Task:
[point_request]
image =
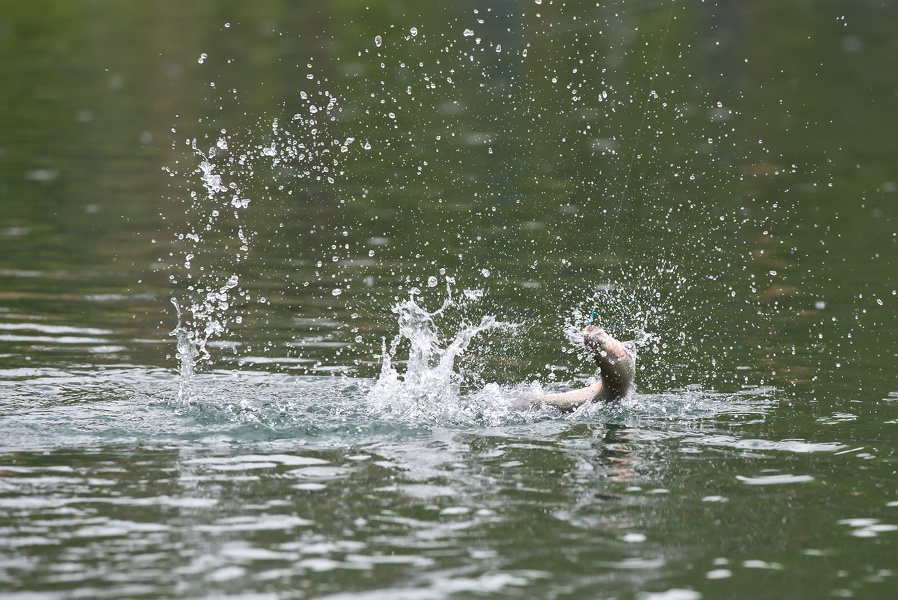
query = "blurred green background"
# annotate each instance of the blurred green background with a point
(718, 175)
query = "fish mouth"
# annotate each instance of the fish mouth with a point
(598, 340)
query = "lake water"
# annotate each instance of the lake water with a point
(272, 275)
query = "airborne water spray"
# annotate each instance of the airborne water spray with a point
(534, 119)
(209, 267)
(431, 388)
(203, 311)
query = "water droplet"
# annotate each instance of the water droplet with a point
(468, 33)
(431, 281)
(485, 272)
(313, 109)
(336, 291)
(498, 47)
(413, 31)
(202, 58)
(378, 41)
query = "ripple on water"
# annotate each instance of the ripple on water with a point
(296, 478)
(779, 479)
(80, 407)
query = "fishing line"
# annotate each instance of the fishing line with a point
(645, 112)
(633, 152)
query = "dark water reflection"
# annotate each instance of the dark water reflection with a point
(741, 219)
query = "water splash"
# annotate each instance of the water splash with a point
(431, 389)
(301, 146)
(211, 270)
(207, 319)
(207, 302)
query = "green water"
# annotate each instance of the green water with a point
(716, 181)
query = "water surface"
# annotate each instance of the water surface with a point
(271, 278)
